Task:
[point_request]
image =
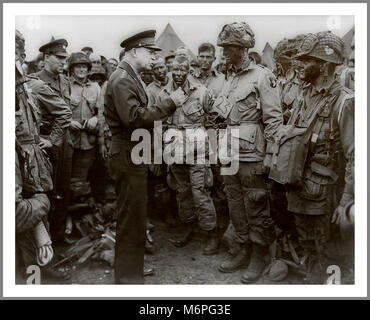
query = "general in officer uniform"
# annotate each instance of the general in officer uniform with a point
(256, 112)
(126, 110)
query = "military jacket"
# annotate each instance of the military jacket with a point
(28, 211)
(59, 83)
(331, 148)
(85, 105)
(253, 105)
(38, 169)
(126, 104)
(56, 115)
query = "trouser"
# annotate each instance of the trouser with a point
(219, 197)
(248, 202)
(82, 162)
(131, 189)
(62, 180)
(194, 195)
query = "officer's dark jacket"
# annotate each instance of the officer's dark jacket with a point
(125, 104)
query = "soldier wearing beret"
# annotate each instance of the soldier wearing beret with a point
(256, 112)
(126, 109)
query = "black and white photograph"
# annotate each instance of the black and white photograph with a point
(185, 149)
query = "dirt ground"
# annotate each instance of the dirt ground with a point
(172, 265)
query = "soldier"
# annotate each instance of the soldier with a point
(55, 57)
(256, 112)
(193, 180)
(160, 81)
(214, 81)
(33, 168)
(147, 77)
(84, 126)
(327, 182)
(169, 59)
(125, 110)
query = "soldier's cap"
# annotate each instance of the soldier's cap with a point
(87, 49)
(170, 54)
(236, 34)
(143, 39)
(55, 47)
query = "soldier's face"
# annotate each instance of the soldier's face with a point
(80, 71)
(233, 54)
(180, 72)
(55, 63)
(160, 71)
(311, 70)
(169, 63)
(205, 59)
(112, 65)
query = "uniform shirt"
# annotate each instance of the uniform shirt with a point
(56, 115)
(153, 90)
(256, 109)
(335, 135)
(196, 114)
(196, 109)
(214, 81)
(84, 105)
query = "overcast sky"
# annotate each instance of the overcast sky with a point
(105, 33)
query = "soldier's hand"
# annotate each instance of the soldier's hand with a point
(92, 123)
(45, 143)
(338, 215)
(75, 125)
(178, 97)
(103, 151)
(267, 162)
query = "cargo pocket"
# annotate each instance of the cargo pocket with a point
(193, 111)
(314, 187)
(247, 137)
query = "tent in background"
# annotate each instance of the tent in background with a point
(169, 40)
(348, 38)
(268, 57)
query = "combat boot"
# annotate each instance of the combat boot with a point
(213, 243)
(182, 240)
(237, 262)
(256, 265)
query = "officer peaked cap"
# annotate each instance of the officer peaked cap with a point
(143, 39)
(55, 47)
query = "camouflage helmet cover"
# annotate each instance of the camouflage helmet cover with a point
(324, 46)
(79, 57)
(236, 34)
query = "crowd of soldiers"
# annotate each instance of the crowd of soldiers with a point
(290, 205)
